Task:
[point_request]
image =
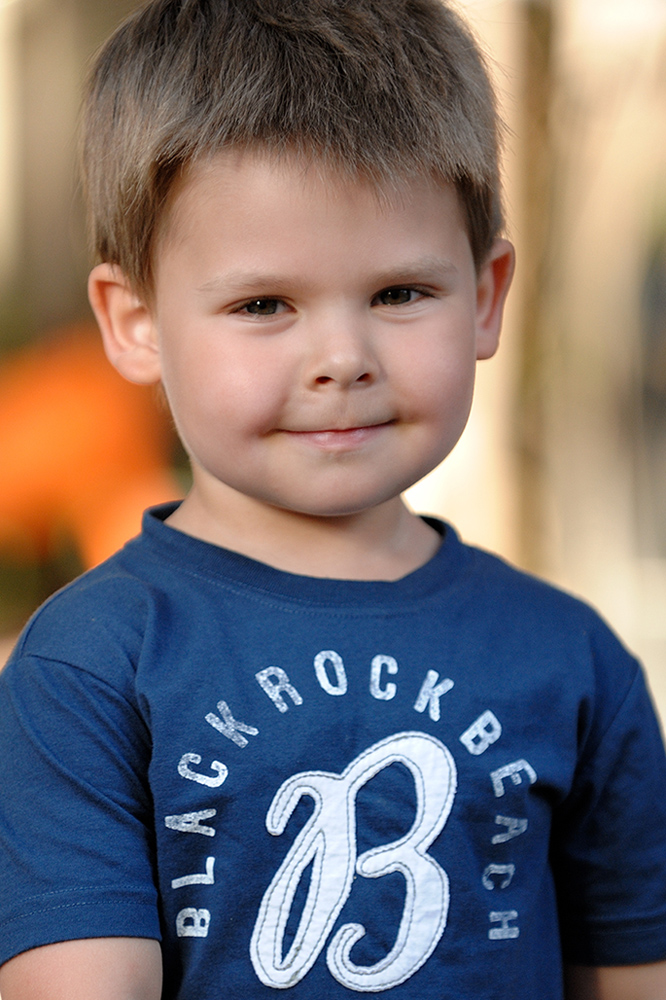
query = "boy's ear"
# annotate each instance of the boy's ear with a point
(492, 286)
(126, 323)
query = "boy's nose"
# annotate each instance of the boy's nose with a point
(342, 354)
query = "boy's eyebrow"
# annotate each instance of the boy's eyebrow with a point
(426, 268)
(241, 281)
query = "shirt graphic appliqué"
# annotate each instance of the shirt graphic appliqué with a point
(328, 842)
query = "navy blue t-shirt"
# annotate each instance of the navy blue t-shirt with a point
(432, 788)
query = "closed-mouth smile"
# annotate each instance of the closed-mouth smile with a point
(341, 438)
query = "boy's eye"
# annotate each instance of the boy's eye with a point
(397, 296)
(262, 307)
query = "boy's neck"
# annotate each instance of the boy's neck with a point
(384, 543)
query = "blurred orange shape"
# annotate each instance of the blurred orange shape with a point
(82, 451)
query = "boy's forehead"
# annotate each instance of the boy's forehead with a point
(293, 178)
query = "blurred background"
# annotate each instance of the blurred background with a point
(563, 465)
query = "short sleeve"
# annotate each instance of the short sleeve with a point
(609, 842)
(76, 832)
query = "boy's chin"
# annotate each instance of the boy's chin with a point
(334, 498)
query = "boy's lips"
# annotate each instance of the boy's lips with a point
(339, 438)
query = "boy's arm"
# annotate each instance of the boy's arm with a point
(92, 969)
(630, 982)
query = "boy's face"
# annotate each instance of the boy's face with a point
(317, 346)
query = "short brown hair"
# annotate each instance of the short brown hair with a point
(381, 89)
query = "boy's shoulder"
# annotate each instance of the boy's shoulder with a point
(515, 599)
(102, 610)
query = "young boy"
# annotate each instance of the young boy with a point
(303, 738)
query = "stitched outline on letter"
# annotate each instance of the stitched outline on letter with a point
(328, 841)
